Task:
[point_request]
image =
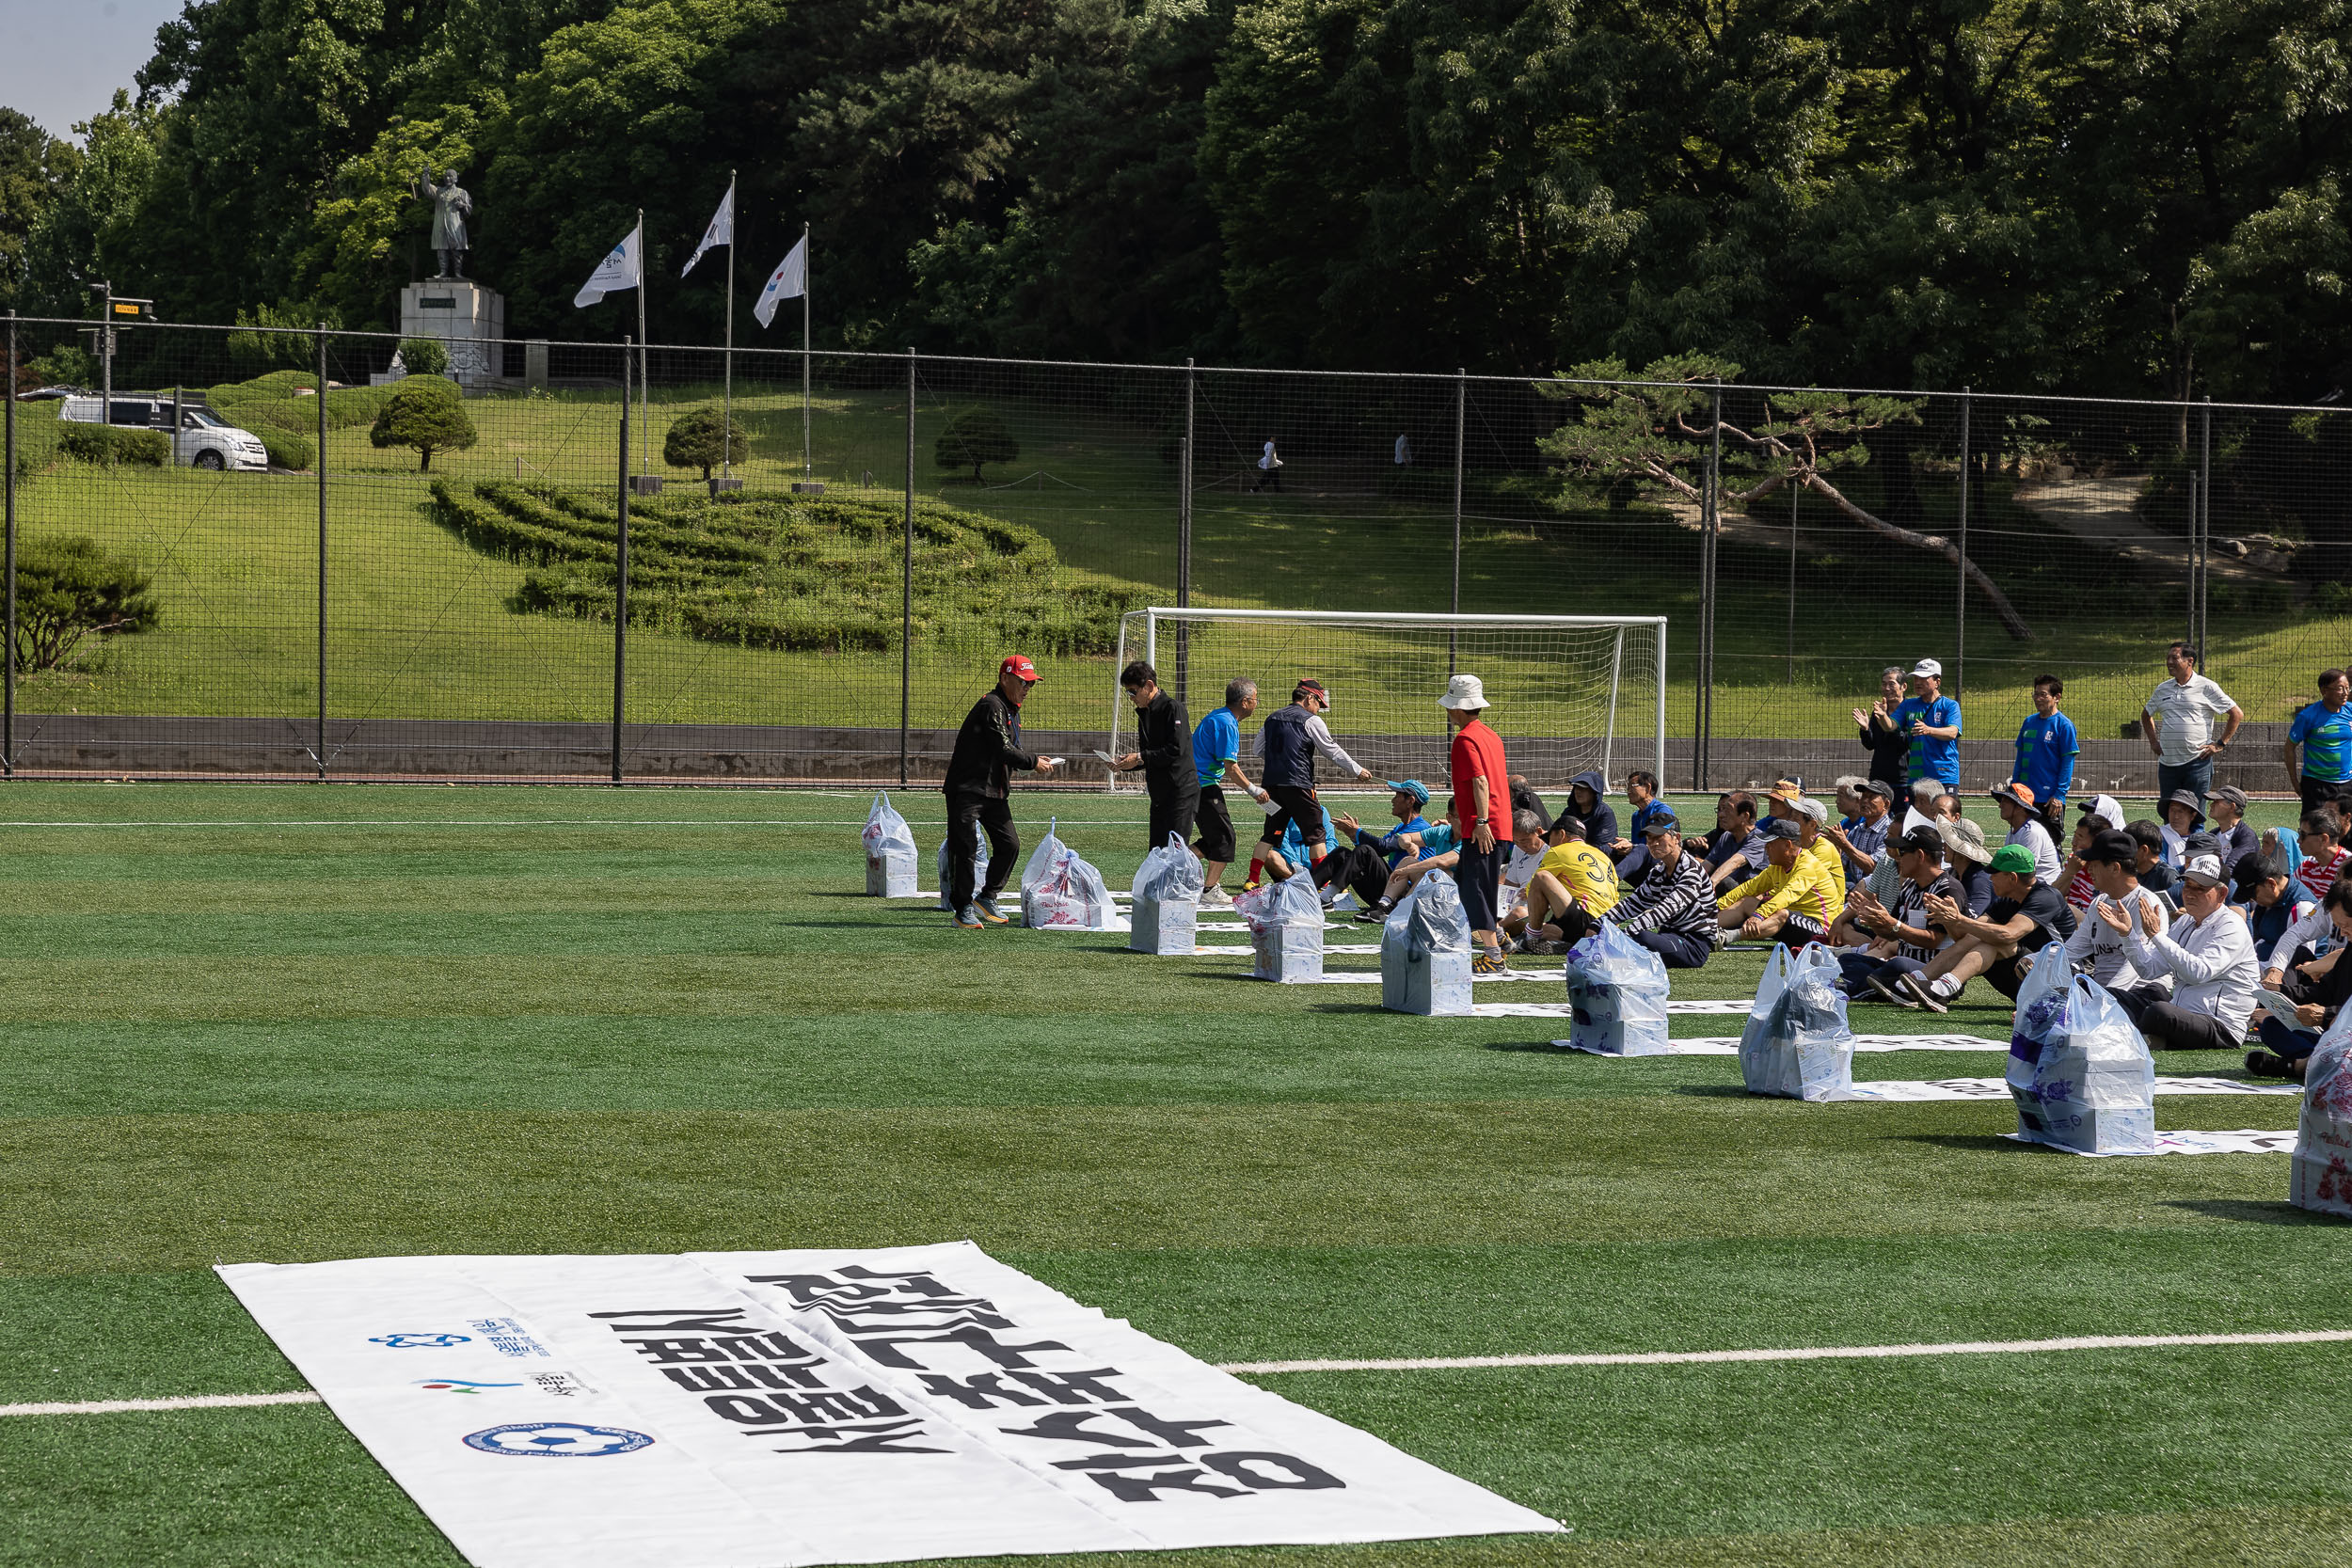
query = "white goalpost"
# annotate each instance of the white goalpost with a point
(1568, 693)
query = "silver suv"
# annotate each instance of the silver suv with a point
(204, 440)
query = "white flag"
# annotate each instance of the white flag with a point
(788, 281)
(721, 231)
(621, 269)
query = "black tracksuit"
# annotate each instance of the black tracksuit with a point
(988, 748)
(1164, 739)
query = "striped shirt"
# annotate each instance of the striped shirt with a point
(2319, 871)
(1671, 898)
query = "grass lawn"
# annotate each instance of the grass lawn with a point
(302, 1023)
(419, 625)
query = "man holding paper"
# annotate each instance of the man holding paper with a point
(988, 749)
(1163, 754)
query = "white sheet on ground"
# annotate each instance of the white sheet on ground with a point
(2251, 1140)
(1728, 1045)
(727, 1410)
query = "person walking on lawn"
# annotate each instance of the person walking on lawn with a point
(1163, 753)
(988, 750)
(1482, 810)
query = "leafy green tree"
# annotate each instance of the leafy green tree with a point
(975, 436)
(704, 438)
(92, 230)
(70, 589)
(34, 169)
(423, 357)
(424, 412)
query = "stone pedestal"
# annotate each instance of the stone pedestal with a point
(467, 318)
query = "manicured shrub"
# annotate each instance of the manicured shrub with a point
(426, 412)
(703, 438)
(974, 437)
(423, 357)
(287, 449)
(69, 590)
(100, 443)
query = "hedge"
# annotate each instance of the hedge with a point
(100, 443)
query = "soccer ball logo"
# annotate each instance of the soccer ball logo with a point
(420, 1341)
(556, 1440)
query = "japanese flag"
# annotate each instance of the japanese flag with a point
(721, 231)
(788, 281)
(623, 268)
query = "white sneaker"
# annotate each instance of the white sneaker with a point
(1215, 898)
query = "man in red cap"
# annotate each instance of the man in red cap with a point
(988, 748)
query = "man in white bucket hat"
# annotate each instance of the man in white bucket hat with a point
(1482, 815)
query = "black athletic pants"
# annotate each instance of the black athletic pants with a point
(1360, 867)
(1673, 948)
(1172, 812)
(2167, 1025)
(967, 817)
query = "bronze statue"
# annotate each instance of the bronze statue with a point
(451, 207)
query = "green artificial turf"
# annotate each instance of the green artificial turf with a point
(240, 1022)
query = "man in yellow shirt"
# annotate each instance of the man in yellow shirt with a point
(1794, 899)
(1570, 874)
(1811, 817)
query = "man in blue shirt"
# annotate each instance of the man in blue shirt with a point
(1932, 721)
(1216, 762)
(2046, 745)
(2324, 730)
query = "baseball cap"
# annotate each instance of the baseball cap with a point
(1308, 686)
(1927, 666)
(2205, 870)
(2021, 793)
(1018, 664)
(1920, 841)
(1780, 827)
(2254, 871)
(1414, 788)
(1570, 824)
(1879, 788)
(1813, 809)
(1661, 822)
(2015, 858)
(2114, 846)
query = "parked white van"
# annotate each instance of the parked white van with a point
(205, 440)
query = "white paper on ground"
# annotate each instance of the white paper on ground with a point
(2251, 1140)
(731, 1410)
(1728, 1045)
(1230, 950)
(1560, 1009)
(1372, 977)
(1998, 1088)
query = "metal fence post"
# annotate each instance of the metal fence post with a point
(1703, 727)
(1960, 610)
(8, 483)
(321, 462)
(1454, 601)
(1184, 550)
(620, 578)
(906, 589)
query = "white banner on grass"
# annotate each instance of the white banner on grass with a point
(1998, 1088)
(1728, 1045)
(2247, 1140)
(726, 1410)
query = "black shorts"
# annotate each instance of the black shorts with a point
(1292, 804)
(1798, 929)
(1477, 875)
(1216, 825)
(2008, 976)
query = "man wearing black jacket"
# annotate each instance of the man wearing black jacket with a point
(1163, 752)
(988, 748)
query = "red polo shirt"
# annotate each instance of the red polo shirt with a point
(1478, 752)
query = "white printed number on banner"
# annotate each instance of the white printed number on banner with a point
(813, 1408)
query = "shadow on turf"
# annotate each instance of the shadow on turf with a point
(2253, 1211)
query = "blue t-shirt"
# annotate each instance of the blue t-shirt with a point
(2327, 741)
(1642, 814)
(2047, 749)
(1931, 756)
(1215, 742)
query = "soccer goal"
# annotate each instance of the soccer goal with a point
(1567, 693)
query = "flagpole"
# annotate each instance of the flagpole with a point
(726, 418)
(808, 270)
(644, 379)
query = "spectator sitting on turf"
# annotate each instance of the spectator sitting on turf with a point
(2096, 948)
(2276, 912)
(2025, 916)
(1948, 808)
(2026, 832)
(2207, 956)
(1889, 748)
(2046, 745)
(1588, 803)
(1518, 868)
(1898, 940)
(1572, 881)
(1412, 837)
(2155, 875)
(1970, 860)
(1795, 899)
(1438, 849)
(1859, 840)
(2318, 990)
(1736, 847)
(2225, 818)
(1631, 854)
(2183, 814)
(2323, 857)
(1672, 911)
(1920, 808)
(1362, 861)
(1523, 798)
(1811, 816)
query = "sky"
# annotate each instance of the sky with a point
(61, 60)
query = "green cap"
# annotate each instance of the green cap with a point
(2013, 858)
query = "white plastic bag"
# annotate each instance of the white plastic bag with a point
(980, 871)
(2321, 1175)
(1058, 891)
(1424, 952)
(2078, 1071)
(1618, 991)
(889, 851)
(1165, 917)
(1285, 931)
(1796, 1043)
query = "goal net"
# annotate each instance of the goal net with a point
(1567, 693)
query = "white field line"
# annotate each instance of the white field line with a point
(1457, 1363)
(538, 822)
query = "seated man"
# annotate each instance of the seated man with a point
(2323, 857)
(2026, 831)
(2207, 957)
(1437, 849)
(1736, 847)
(2318, 990)
(1859, 841)
(2226, 820)
(1364, 859)
(2183, 814)
(1920, 810)
(1523, 798)
(1966, 854)
(1571, 879)
(1793, 899)
(1672, 911)
(1630, 854)
(2025, 916)
(2154, 874)
(1899, 940)
(2276, 913)
(2097, 948)
(1811, 817)
(1588, 803)
(2074, 871)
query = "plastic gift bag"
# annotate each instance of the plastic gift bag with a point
(1285, 931)
(1061, 892)
(1796, 1043)
(2321, 1175)
(1618, 991)
(980, 871)
(1166, 914)
(889, 851)
(1424, 952)
(2078, 1071)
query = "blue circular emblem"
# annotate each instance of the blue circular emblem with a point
(556, 1440)
(420, 1341)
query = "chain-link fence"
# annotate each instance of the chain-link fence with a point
(266, 554)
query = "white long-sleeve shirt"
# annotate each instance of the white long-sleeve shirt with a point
(2034, 839)
(1319, 733)
(2211, 961)
(2315, 929)
(2098, 949)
